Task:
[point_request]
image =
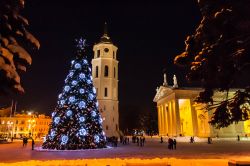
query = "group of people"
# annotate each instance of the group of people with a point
(171, 143)
(140, 141)
(113, 140)
(25, 142)
(124, 140)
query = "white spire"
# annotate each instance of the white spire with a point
(175, 82)
(165, 83)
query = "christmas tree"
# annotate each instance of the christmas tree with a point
(76, 122)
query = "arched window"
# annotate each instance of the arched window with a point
(106, 71)
(96, 71)
(98, 53)
(114, 72)
(106, 92)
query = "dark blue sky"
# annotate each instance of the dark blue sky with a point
(148, 34)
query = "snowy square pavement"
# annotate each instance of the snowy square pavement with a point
(219, 149)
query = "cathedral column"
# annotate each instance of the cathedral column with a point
(173, 117)
(178, 119)
(170, 119)
(163, 120)
(194, 118)
(166, 118)
(159, 119)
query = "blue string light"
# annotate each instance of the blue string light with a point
(64, 139)
(76, 117)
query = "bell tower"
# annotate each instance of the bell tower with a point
(105, 79)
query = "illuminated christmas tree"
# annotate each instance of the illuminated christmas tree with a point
(76, 122)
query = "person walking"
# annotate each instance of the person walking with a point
(170, 144)
(209, 140)
(137, 141)
(238, 137)
(191, 140)
(161, 140)
(23, 141)
(116, 141)
(33, 143)
(174, 144)
(143, 140)
(121, 139)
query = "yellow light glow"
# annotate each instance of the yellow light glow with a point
(186, 117)
(247, 127)
(122, 162)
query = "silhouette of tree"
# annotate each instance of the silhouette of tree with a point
(217, 55)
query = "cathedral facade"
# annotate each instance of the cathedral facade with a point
(179, 115)
(105, 80)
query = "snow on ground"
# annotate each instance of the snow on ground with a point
(126, 162)
(220, 151)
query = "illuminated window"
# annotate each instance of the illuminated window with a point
(96, 71)
(106, 92)
(98, 53)
(106, 71)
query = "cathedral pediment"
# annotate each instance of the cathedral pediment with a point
(161, 92)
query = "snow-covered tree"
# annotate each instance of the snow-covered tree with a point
(218, 53)
(15, 40)
(76, 121)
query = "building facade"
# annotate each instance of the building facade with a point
(179, 115)
(27, 125)
(105, 80)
